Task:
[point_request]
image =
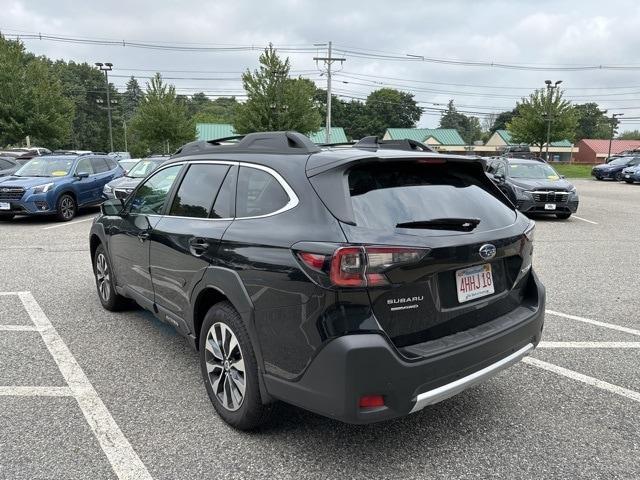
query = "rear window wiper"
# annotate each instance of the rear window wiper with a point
(458, 224)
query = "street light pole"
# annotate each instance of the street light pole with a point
(613, 127)
(107, 67)
(550, 89)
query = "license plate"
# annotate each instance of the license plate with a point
(549, 206)
(5, 206)
(474, 282)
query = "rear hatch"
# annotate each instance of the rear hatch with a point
(442, 250)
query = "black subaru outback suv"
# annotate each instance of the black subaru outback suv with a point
(361, 283)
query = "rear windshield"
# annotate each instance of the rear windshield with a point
(385, 195)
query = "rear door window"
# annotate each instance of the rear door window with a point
(385, 195)
(198, 190)
(85, 166)
(99, 165)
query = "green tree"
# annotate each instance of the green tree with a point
(469, 128)
(592, 122)
(391, 108)
(275, 101)
(84, 85)
(31, 99)
(131, 98)
(630, 135)
(219, 110)
(161, 123)
(500, 122)
(530, 124)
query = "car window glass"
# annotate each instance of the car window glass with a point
(386, 195)
(99, 165)
(84, 166)
(224, 206)
(151, 195)
(198, 190)
(499, 169)
(258, 193)
(4, 164)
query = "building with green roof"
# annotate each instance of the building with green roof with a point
(212, 131)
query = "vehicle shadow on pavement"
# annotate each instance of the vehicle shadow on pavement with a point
(50, 219)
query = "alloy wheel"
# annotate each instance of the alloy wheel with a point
(67, 207)
(103, 277)
(225, 366)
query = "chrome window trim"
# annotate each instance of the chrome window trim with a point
(293, 198)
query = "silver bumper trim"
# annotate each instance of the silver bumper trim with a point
(450, 389)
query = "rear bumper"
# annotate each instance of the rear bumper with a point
(353, 366)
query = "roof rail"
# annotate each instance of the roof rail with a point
(336, 144)
(375, 143)
(285, 143)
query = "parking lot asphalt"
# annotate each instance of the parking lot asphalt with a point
(572, 412)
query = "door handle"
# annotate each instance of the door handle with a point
(142, 236)
(198, 246)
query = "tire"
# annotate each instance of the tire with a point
(221, 363)
(6, 217)
(619, 177)
(629, 181)
(563, 216)
(66, 207)
(109, 298)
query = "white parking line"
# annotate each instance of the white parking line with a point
(36, 391)
(68, 223)
(123, 459)
(18, 328)
(594, 382)
(589, 345)
(611, 326)
(585, 220)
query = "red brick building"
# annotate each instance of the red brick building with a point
(595, 151)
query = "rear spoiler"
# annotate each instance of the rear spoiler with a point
(331, 182)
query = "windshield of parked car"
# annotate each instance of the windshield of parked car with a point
(532, 170)
(143, 168)
(619, 161)
(46, 167)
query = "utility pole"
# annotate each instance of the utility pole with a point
(328, 60)
(613, 128)
(107, 67)
(550, 89)
(124, 125)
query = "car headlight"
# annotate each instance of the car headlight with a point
(107, 190)
(521, 192)
(573, 190)
(43, 188)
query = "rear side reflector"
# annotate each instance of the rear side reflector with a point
(371, 401)
(313, 260)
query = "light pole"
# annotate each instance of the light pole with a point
(550, 89)
(106, 68)
(613, 127)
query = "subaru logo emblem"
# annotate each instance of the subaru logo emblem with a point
(487, 251)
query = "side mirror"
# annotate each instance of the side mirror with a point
(498, 177)
(112, 207)
(563, 176)
(81, 175)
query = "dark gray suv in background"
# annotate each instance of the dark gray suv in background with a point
(362, 283)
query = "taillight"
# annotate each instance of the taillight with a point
(361, 266)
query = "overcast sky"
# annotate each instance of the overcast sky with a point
(535, 33)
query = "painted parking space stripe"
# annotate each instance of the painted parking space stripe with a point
(585, 220)
(611, 326)
(29, 391)
(589, 345)
(594, 382)
(123, 459)
(66, 224)
(18, 328)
